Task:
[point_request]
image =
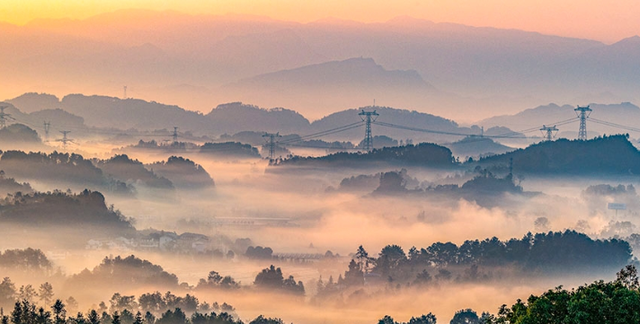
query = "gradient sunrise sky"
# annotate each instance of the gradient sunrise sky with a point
(607, 21)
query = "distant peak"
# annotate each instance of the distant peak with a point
(633, 40)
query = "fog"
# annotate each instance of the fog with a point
(305, 211)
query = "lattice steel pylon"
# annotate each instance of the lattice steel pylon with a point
(548, 131)
(368, 117)
(272, 141)
(583, 113)
(64, 139)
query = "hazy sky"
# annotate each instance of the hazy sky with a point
(607, 21)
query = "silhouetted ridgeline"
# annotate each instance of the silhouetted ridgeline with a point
(10, 186)
(184, 173)
(122, 168)
(125, 273)
(64, 168)
(30, 260)
(86, 210)
(602, 155)
(477, 146)
(423, 154)
(233, 117)
(539, 254)
(229, 118)
(230, 149)
(19, 133)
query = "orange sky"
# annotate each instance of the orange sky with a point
(603, 20)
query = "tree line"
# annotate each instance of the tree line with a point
(546, 253)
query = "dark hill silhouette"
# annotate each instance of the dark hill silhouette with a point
(59, 118)
(625, 113)
(475, 146)
(86, 210)
(101, 111)
(234, 117)
(32, 101)
(423, 154)
(19, 133)
(123, 168)
(230, 150)
(11, 186)
(395, 116)
(608, 155)
(119, 274)
(63, 168)
(184, 173)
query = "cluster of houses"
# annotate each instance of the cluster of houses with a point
(186, 243)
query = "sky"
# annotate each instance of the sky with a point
(607, 21)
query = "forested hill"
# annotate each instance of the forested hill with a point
(602, 155)
(423, 154)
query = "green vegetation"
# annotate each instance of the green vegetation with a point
(596, 303)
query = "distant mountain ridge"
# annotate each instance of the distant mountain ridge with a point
(231, 118)
(342, 83)
(489, 69)
(625, 114)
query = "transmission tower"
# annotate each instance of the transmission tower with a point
(549, 132)
(4, 117)
(368, 117)
(583, 113)
(175, 135)
(47, 126)
(64, 139)
(125, 93)
(272, 141)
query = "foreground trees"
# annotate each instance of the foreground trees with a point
(25, 312)
(597, 303)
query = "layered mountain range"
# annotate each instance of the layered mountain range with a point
(461, 72)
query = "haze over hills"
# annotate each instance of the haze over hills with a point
(333, 84)
(491, 69)
(625, 114)
(231, 118)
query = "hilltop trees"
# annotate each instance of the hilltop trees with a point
(271, 278)
(542, 253)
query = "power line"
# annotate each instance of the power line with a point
(324, 133)
(610, 124)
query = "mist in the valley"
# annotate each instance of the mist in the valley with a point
(321, 172)
(312, 220)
